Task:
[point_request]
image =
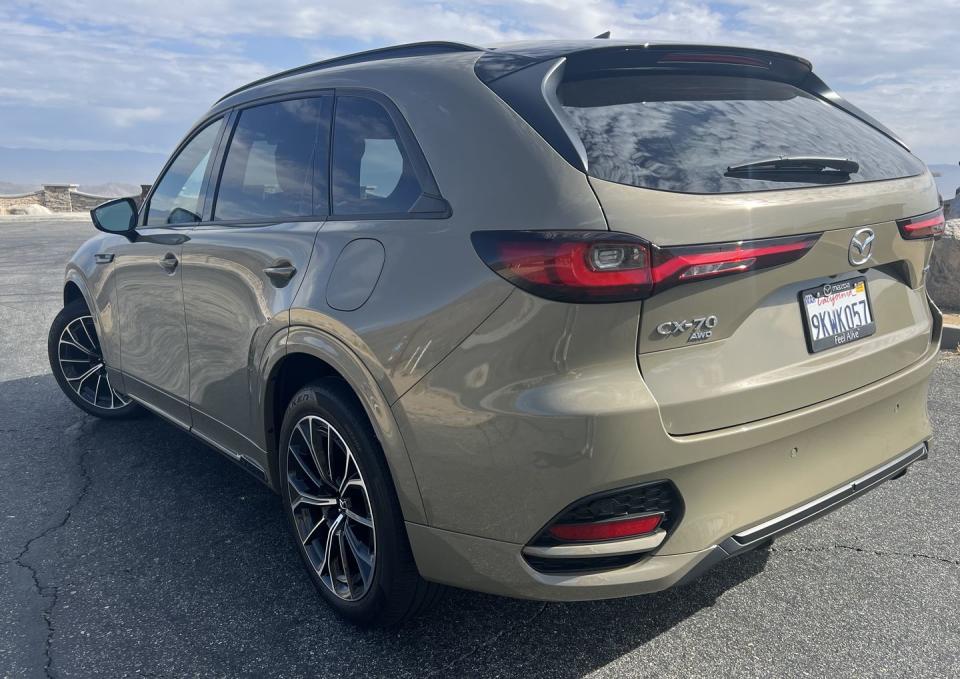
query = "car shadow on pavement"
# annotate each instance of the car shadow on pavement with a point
(155, 554)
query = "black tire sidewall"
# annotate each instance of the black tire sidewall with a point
(330, 399)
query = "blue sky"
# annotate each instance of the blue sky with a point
(134, 74)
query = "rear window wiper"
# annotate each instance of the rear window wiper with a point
(796, 165)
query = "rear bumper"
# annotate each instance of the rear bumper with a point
(495, 465)
(499, 568)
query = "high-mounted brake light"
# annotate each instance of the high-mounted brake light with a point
(599, 266)
(711, 58)
(929, 225)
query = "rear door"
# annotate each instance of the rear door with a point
(244, 264)
(728, 337)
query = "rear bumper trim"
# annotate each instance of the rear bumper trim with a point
(644, 543)
(823, 504)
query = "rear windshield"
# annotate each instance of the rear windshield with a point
(683, 132)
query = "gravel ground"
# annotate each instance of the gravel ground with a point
(130, 549)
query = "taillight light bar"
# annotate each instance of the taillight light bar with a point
(929, 225)
(598, 266)
(675, 265)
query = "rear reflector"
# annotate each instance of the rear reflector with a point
(599, 266)
(606, 530)
(930, 225)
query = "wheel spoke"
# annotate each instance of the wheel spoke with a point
(96, 391)
(362, 520)
(306, 469)
(346, 472)
(325, 474)
(73, 343)
(328, 548)
(85, 375)
(92, 350)
(310, 499)
(93, 344)
(310, 533)
(361, 555)
(345, 563)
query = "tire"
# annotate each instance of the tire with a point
(74, 352)
(380, 585)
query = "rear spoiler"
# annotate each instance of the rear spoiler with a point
(527, 80)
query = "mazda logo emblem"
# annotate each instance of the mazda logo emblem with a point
(861, 246)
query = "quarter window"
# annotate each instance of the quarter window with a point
(276, 162)
(372, 172)
(176, 200)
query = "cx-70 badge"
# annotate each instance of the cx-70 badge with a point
(702, 328)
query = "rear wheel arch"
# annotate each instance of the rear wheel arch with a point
(309, 355)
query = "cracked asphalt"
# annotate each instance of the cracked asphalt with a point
(130, 549)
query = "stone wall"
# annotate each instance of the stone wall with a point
(22, 200)
(59, 198)
(943, 282)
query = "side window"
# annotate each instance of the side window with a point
(269, 171)
(176, 200)
(372, 172)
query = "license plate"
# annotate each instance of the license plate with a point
(837, 313)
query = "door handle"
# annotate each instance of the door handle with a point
(280, 273)
(169, 262)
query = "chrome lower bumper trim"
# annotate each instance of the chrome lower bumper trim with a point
(592, 549)
(825, 503)
(751, 538)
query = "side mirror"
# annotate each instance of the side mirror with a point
(117, 216)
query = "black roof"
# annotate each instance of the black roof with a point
(501, 59)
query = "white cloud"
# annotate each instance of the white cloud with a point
(139, 65)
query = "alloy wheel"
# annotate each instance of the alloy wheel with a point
(81, 363)
(331, 508)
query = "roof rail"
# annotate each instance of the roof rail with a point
(413, 49)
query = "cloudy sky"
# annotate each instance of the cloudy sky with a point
(134, 74)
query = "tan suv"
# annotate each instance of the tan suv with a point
(551, 320)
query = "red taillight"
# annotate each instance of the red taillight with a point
(578, 266)
(606, 530)
(930, 225)
(598, 266)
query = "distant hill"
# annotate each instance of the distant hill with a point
(119, 173)
(949, 179)
(32, 167)
(108, 190)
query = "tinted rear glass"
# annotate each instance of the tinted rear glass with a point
(269, 172)
(682, 132)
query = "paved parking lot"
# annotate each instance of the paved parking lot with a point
(130, 549)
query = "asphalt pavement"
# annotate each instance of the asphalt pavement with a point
(130, 549)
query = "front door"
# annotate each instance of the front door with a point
(242, 267)
(149, 272)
